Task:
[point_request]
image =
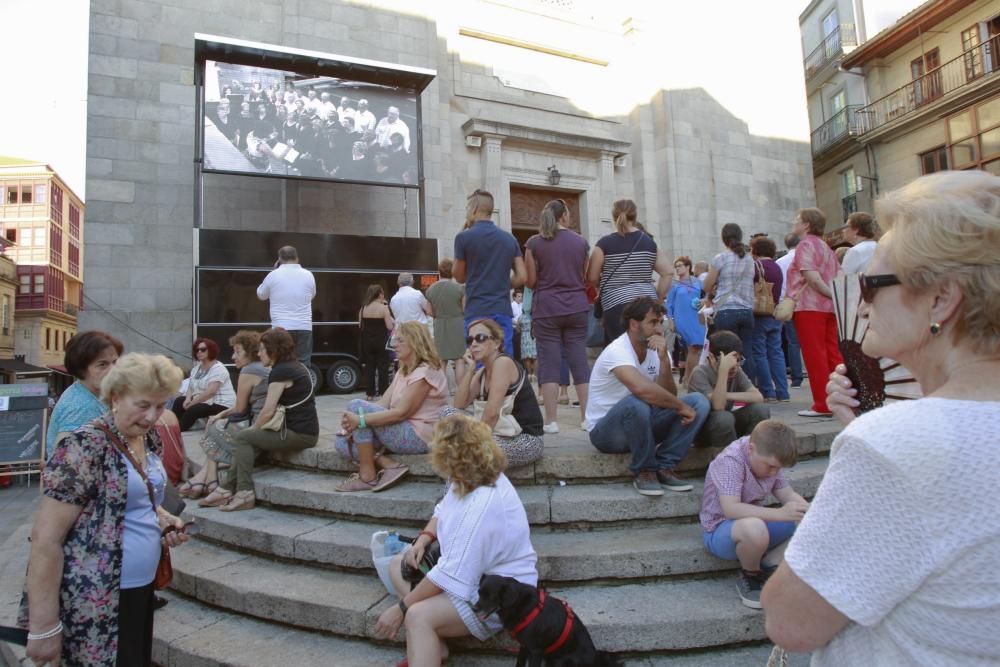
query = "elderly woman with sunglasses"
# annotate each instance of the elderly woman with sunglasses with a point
(896, 560)
(210, 389)
(498, 378)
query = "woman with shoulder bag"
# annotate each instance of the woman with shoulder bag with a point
(769, 360)
(500, 391)
(289, 390)
(99, 537)
(731, 277)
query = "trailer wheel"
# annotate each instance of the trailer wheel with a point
(343, 377)
(317, 377)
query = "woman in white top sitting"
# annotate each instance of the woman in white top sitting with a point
(896, 561)
(482, 529)
(209, 390)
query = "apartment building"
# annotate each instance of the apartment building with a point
(42, 219)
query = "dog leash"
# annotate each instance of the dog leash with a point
(533, 614)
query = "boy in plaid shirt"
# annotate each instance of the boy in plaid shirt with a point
(735, 524)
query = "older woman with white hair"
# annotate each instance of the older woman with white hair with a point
(896, 561)
(96, 542)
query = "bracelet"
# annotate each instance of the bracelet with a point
(361, 418)
(403, 607)
(45, 635)
(428, 534)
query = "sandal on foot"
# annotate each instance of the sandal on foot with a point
(217, 498)
(191, 489)
(241, 500)
(389, 476)
(355, 483)
(210, 486)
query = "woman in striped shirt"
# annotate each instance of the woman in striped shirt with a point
(622, 266)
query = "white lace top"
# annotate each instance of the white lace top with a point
(903, 536)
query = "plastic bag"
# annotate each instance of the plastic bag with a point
(381, 561)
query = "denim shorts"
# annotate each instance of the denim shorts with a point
(720, 542)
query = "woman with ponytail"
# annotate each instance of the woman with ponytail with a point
(731, 276)
(622, 265)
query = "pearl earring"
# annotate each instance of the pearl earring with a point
(935, 328)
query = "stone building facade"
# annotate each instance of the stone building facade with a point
(489, 121)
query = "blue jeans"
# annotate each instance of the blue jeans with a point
(506, 323)
(721, 545)
(740, 322)
(794, 352)
(655, 436)
(768, 359)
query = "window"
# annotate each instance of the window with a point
(25, 286)
(25, 194)
(64, 336)
(11, 234)
(48, 338)
(39, 283)
(837, 103)
(74, 221)
(973, 55)
(12, 194)
(6, 315)
(925, 73)
(40, 193)
(55, 210)
(74, 258)
(848, 184)
(934, 160)
(974, 138)
(39, 234)
(55, 245)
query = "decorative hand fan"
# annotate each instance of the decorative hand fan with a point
(878, 381)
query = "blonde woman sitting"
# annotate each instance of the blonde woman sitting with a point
(482, 529)
(401, 421)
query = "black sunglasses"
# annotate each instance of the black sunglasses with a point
(871, 283)
(478, 338)
(202, 349)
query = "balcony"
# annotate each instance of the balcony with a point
(830, 49)
(841, 125)
(972, 67)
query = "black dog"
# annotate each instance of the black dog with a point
(546, 627)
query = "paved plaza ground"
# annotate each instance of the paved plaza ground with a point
(571, 448)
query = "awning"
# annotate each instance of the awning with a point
(59, 369)
(21, 369)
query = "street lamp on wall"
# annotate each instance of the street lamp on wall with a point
(554, 175)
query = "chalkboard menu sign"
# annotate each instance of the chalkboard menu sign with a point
(23, 408)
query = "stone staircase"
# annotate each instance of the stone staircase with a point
(292, 581)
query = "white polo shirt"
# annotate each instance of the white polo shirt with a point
(290, 289)
(408, 306)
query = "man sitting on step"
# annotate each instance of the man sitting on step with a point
(633, 404)
(737, 405)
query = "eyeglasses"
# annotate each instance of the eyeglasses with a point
(871, 283)
(478, 338)
(202, 349)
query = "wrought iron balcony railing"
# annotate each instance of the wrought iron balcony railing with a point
(830, 49)
(974, 65)
(842, 124)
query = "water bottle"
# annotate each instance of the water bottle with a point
(392, 545)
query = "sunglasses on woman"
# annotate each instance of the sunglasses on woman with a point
(202, 349)
(869, 284)
(478, 338)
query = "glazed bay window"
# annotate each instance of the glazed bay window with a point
(934, 160)
(974, 137)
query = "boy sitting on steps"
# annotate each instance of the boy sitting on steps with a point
(735, 525)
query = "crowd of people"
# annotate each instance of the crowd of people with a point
(857, 576)
(309, 133)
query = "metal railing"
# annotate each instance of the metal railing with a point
(849, 204)
(842, 124)
(830, 49)
(972, 66)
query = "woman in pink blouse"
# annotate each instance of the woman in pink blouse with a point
(401, 421)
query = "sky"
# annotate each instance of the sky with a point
(749, 58)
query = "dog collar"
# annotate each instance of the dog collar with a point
(533, 614)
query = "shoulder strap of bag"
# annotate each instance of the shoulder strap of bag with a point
(600, 284)
(312, 388)
(121, 447)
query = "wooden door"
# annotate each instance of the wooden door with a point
(526, 206)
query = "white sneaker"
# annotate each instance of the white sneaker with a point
(814, 413)
(583, 426)
(551, 427)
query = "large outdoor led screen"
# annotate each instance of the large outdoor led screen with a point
(264, 121)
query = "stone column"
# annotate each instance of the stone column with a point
(490, 156)
(606, 187)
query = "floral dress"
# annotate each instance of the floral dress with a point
(88, 471)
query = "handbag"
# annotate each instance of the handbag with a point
(598, 308)
(763, 294)
(164, 569)
(785, 310)
(277, 420)
(507, 425)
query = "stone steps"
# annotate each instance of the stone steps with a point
(632, 617)
(414, 501)
(189, 634)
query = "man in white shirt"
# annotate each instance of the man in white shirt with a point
(326, 107)
(633, 404)
(345, 109)
(364, 120)
(860, 233)
(794, 354)
(389, 126)
(291, 289)
(408, 304)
